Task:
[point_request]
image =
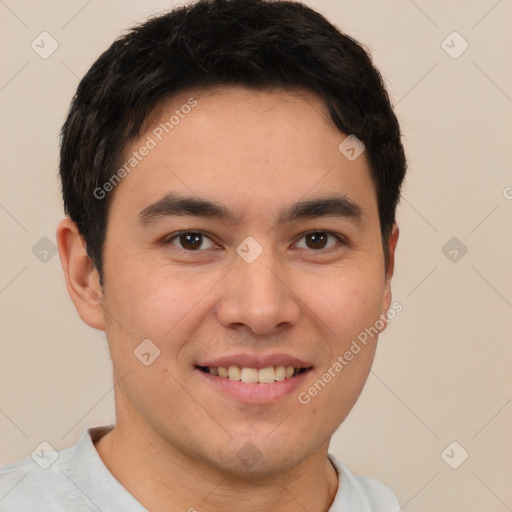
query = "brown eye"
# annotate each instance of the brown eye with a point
(191, 241)
(318, 240)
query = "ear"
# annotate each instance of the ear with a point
(387, 296)
(82, 278)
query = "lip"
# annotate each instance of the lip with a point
(253, 393)
(251, 361)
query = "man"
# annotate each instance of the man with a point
(230, 172)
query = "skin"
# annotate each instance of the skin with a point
(255, 152)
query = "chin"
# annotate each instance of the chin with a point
(253, 456)
(254, 464)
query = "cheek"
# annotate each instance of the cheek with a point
(349, 310)
(158, 303)
(346, 303)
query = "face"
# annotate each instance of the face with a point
(243, 242)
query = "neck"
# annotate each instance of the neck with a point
(168, 479)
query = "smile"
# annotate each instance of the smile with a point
(266, 375)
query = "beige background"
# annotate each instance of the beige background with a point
(443, 368)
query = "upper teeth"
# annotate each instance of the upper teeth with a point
(262, 375)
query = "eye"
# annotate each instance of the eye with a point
(191, 241)
(194, 241)
(318, 240)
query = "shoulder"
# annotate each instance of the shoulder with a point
(40, 483)
(368, 494)
(379, 496)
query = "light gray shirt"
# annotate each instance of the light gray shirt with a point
(76, 480)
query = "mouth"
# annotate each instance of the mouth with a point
(248, 375)
(250, 379)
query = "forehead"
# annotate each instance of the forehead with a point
(243, 147)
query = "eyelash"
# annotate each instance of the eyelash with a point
(174, 236)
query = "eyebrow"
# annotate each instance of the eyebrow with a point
(176, 205)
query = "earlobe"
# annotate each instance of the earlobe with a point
(386, 299)
(82, 279)
(392, 241)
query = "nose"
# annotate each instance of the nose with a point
(258, 296)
